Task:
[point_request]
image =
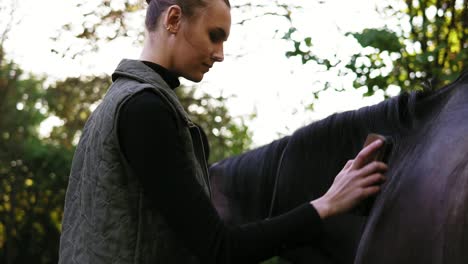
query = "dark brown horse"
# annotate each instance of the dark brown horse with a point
(421, 215)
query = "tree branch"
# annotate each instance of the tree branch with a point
(9, 25)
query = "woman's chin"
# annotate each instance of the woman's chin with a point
(195, 77)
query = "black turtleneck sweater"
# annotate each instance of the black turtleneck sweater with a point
(147, 133)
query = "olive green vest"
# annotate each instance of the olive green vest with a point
(107, 218)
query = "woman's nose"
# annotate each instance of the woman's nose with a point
(218, 54)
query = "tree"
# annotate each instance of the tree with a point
(426, 48)
(227, 136)
(32, 173)
(31, 197)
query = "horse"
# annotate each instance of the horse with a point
(421, 213)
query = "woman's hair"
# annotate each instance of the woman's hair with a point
(156, 7)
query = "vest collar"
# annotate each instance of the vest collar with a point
(135, 69)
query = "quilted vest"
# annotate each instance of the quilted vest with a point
(107, 219)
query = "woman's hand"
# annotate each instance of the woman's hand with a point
(355, 182)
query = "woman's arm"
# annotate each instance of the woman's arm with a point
(148, 136)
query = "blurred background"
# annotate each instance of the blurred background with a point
(288, 63)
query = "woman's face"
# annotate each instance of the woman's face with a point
(199, 42)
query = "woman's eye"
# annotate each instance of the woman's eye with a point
(214, 37)
(217, 35)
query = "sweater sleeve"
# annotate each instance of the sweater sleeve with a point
(150, 143)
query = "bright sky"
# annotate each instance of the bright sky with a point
(262, 80)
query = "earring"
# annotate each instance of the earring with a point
(170, 29)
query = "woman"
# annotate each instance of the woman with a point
(138, 190)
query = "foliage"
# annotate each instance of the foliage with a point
(426, 48)
(72, 100)
(32, 172)
(101, 22)
(226, 135)
(105, 21)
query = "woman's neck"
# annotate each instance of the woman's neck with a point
(154, 50)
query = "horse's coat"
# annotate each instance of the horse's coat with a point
(421, 215)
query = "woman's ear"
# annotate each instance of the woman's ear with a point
(173, 19)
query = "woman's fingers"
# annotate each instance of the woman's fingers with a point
(375, 166)
(374, 179)
(370, 191)
(348, 164)
(358, 180)
(366, 153)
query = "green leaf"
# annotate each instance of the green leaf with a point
(381, 39)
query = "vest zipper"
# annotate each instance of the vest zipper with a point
(203, 161)
(205, 166)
